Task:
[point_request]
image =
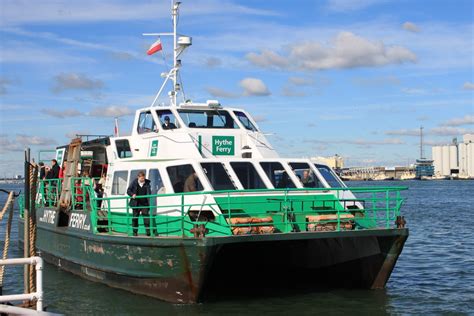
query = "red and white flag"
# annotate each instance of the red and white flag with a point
(156, 47)
(116, 128)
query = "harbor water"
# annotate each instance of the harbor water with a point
(434, 274)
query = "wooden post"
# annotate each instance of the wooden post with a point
(26, 221)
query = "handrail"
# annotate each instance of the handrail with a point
(291, 209)
(38, 295)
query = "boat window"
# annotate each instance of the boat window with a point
(277, 175)
(146, 123)
(119, 183)
(207, 118)
(305, 174)
(247, 175)
(167, 119)
(157, 186)
(134, 174)
(245, 121)
(329, 176)
(184, 179)
(123, 148)
(218, 176)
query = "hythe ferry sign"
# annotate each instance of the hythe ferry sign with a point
(223, 145)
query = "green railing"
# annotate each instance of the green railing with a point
(49, 192)
(21, 204)
(222, 213)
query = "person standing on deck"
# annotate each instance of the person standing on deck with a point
(139, 187)
(54, 171)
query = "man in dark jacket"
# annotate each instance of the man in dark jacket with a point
(53, 173)
(140, 187)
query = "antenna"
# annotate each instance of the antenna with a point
(180, 43)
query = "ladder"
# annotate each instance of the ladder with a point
(72, 163)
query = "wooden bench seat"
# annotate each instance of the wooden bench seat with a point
(252, 225)
(328, 222)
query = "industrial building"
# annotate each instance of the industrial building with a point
(456, 159)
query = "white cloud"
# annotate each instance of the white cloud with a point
(254, 87)
(20, 141)
(468, 86)
(351, 5)
(212, 62)
(75, 81)
(289, 91)
(268, 59)
(15, 12)
(404, 132)
(411, 27)
(346, 50)
(301, 81)
(436, 131)
(61, 113)
(376, 81)
(4, 83)
(111, 111)
(414, 91)
(466, 120)
(220, 93)
(449, 131)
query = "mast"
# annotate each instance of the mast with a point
(174, 13)
(180, 43)
(421, 142)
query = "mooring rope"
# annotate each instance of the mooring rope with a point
(32, 224)
(8, 205)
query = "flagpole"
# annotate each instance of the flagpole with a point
(116, 128)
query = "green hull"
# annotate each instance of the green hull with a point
(190, 270)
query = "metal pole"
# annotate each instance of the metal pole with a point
(175, 52)
(26, 221)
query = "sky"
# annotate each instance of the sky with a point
(355, 77)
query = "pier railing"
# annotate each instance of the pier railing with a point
(240, 212)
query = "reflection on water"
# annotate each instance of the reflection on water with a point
(434, 274)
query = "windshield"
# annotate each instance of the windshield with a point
(217, 176)
(245, 121)
(207, 118)
(305, 174)
(329, 176)
(167, 119)
(277, 175)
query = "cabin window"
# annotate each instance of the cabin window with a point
(119, 183)
(217, 176)
(123, 148)
(329, 176)
(248, 175)
(146, 123)
(183, 179)
(157, 186)
(167, 119)
(245, 121)
(277, 175)
(207, 118)
(306, 175)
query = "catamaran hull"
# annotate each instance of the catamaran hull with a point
(191, 270)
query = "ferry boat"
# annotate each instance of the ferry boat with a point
(227, 214)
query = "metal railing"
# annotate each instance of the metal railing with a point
(38, 295)
(220, 213)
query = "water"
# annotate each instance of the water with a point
(434, 274)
